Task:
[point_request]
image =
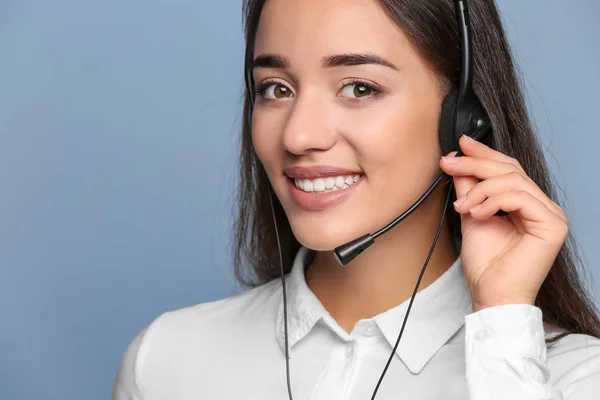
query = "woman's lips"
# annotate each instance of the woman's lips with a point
(317, 201)
(317, 171)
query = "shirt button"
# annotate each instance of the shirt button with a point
(481, 334)
(349, 350)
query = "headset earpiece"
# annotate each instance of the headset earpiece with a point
(459, 117)
(447, 137)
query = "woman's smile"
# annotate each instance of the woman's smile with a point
(319, 187)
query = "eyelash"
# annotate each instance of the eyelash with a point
(375, 89)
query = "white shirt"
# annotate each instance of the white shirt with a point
(233, 349)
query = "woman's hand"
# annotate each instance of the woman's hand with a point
(505, 259)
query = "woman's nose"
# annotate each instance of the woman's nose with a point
(308, 127)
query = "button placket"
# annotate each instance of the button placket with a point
(350, 349)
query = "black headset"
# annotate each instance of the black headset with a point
(462, 113)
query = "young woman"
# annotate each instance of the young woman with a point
(341, 138)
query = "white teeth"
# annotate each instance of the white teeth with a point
(329, 184)
(319, 185)
(308, 185)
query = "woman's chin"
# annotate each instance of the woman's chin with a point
(324, 238)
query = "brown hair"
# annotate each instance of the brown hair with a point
(431, 26)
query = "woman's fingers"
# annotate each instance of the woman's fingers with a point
(482, 168)
(462, 184)
(471, 147)
(510, 182)
(535, 215)
(473, 164)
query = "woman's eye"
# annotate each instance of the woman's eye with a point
(276, 91)
(353, 90)
(357, 90)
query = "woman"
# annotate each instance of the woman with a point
(344, 129)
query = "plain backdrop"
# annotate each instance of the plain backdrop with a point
(118, 144)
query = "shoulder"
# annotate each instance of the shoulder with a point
(574, 362)
(574, 342)
(175, 335)
(206, 317)
(576, 347)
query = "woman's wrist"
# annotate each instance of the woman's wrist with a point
(479, 305)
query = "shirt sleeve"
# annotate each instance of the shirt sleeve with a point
(126, 385)
(506, 358)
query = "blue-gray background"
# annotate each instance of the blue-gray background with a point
(118, 143)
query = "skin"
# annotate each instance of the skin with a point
(307, 114)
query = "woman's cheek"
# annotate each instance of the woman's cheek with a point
(265, 140)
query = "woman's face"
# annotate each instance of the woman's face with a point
(346, 120)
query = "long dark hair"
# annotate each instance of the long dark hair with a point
(432, 28)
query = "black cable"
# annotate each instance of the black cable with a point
(285, 319)
(437, 235)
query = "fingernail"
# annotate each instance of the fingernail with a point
(469, 138)
(476, 208)
(460, 200)
(450, 160)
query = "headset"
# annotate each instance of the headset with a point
(461, 113)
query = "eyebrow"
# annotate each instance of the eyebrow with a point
(338, 60)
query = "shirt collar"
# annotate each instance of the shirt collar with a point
(437, 313)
